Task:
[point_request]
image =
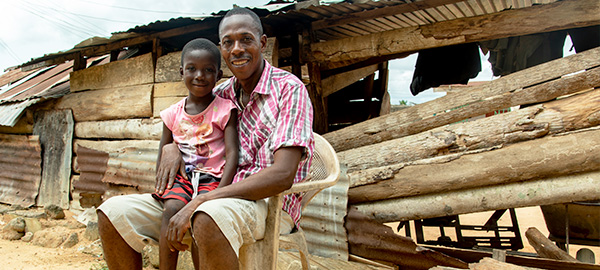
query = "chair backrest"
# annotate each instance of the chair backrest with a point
(324, 170)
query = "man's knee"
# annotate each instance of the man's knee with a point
(202, 223)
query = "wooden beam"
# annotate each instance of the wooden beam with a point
(109, 104)
(142, 129)
(472, 255)
(133, 71)
(315, 90)
(556, 16)
(524, 161)
(336, 82)
(496, 94)
(563, 189)
(378, 13)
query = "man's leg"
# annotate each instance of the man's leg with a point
(117, 253)
(214, 250)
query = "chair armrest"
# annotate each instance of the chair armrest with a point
(312, 185)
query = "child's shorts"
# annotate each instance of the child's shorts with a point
(182, 188)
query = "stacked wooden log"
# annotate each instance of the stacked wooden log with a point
(420, 163)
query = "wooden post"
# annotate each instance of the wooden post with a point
(368, 96)
(320, 122)
(544, 247)
(79, 62)
(296, 61)
(55, 129)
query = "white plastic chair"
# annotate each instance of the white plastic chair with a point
(324, 172)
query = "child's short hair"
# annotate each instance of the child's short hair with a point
(202, 44)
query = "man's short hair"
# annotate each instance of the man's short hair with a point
(244, 11)
(202, 44)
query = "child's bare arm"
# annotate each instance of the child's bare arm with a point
(231, 150)
(166, 169)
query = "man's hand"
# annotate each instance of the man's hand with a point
(179, 224)
(170, 163)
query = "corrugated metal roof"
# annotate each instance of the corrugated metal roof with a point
(43, 83)
(20, 169)
(331, 21)
(342, 20)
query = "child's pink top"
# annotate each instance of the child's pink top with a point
(200, 137)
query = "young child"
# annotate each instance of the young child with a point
(203, 126)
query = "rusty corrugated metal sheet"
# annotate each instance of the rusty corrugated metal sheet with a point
(323, 221)
(50, 82)
(13, 76)
(129, 167)
(372, 240)
(20, 169)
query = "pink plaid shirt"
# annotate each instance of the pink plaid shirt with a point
(279, 114)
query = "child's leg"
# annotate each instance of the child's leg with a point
(168, 258)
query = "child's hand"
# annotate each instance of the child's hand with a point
(170, 163)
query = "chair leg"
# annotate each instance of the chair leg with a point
(296, 241)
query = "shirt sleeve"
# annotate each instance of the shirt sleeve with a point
(168, 115)
(294, 123)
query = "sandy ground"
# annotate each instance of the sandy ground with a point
(22, 255)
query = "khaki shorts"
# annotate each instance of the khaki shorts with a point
(137, 218)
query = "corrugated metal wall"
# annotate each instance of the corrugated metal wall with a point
(323, 221)
(20, 169)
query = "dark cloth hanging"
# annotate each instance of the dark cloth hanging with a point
(585, 38)
(508, 55)
(445, 65)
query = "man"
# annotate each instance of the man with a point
(276, 144)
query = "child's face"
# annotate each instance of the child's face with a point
(200, 72)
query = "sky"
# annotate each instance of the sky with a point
(33, 28)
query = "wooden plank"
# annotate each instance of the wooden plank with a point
(142, 129)
(481, 99)
(55, 129)
(134, 71)
(337, 82)
(161, 103)
(290, 260)
(170, 89)
(562, 189)
(115, 146)
(560, 15)
(471, 255)
(525, 161)
(577, 112)
(108, 104)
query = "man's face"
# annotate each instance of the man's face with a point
(241, 46)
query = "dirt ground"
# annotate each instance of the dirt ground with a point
(21, 255)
